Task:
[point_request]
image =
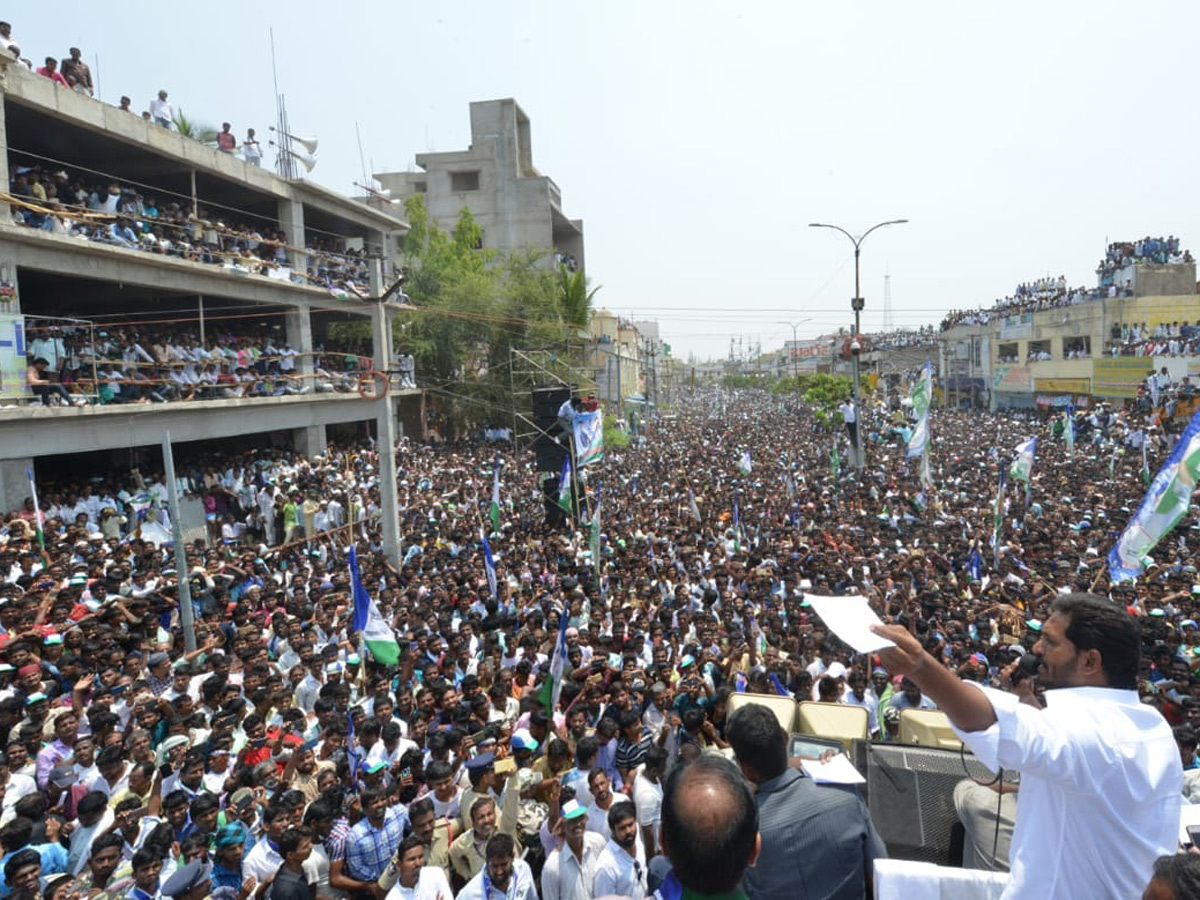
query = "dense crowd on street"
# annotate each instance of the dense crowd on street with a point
(282, 751)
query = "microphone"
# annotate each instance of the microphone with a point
(1029, 665)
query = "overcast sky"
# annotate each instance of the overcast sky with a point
(696, 140)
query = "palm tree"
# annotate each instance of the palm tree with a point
(575, 300)
(191, 128)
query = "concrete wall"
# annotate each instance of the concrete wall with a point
(1168, 280)
(517, 207)
(38, 431)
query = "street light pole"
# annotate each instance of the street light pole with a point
(857, 303)
(795, 360)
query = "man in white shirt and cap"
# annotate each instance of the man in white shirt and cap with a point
(570, 871)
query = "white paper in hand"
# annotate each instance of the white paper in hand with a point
(850, 618)
(837, 770)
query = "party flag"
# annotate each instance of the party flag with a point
(377, 635)
(489, 562)
(494, 506)
(552, 686)
(1165, 504)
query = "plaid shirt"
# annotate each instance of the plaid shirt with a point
(369, 849)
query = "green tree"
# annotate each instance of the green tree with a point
(194, 129)
(575, 298)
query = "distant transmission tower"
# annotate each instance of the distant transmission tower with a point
(887, 302)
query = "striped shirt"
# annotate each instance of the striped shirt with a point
(817, 841)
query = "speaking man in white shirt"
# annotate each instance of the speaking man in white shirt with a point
(1101, 778)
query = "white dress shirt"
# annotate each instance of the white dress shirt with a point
(520, 886)
(566, 877)
(431, 885)
(261, 863)
(621, 874)
(1101, 785)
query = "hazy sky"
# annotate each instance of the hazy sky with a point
(698, 139)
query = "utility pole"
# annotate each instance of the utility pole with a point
(187, 619)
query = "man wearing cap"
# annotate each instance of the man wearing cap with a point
(190, 882)
(570, 870)
(467, 851)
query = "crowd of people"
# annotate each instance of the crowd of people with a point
(75, 364)
(1033, 297)
(75, 74)
(901, 338)
(1053, 293)
(284, 750)
(104, 210)
(1165, 339)
(1123, 254)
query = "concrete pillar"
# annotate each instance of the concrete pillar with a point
(385, 431)
(5, 61)
(291, 220)
(311, 441)
(14, 482)
(10, 295)
(297, 325)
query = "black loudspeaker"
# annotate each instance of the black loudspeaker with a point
(547, 401)
(910, 793)
(556, 516)
(550, 444)
(550, 455)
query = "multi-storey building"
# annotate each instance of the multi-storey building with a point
(517, 206)
(1055, 352)
(175, 254)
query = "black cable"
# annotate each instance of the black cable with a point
(999, 800)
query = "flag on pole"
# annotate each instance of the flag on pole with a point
(737, 524)
(1145, 464)
(564, 485)
(377, 635)
(589, 438)
(922, 391)
(489, 562)
(352, 754)
(744, 465)
(998, 520)
(975, 563)
(552, 686)
(1069, 430)
(1022, 464)
(692, 507)
(594, 535)
(835, 461)
(494, 506)
(37, 509)
(1165, 504)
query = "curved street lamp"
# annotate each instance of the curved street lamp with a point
(857, 303)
